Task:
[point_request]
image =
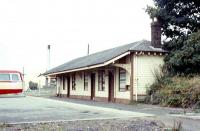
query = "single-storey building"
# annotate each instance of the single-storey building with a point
(120, 74)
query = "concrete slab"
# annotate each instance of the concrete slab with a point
(35, 109)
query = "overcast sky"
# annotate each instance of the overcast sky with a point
(28, 26)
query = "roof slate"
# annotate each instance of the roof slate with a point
(104, 56)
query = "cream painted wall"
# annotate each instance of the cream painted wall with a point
(105, 92)
(63, 91)
(57, 85)
(145, 66)
(80, 85)
(120, 94)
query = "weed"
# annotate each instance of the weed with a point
(177, 126)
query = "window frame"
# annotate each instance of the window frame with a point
(11, 78)
(101, 80)
(74, 81)
(122, 89)
(86, 85)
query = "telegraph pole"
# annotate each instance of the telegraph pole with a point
(48, 48)
(88, 50)
(48, 63)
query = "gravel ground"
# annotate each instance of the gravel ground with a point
(135, 124)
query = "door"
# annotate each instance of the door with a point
(63, 80)
(111, 87)
(92, 86)
(68, 86)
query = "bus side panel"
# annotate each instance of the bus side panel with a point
(10, 87)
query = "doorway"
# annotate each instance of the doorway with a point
(111, 86)
(92, 86)
(68, 86)
(63, 80)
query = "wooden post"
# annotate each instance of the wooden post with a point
(131, 77)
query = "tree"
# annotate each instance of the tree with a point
(180, 21)
(185, 58)
(178, 17)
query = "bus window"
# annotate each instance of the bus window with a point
(15, 77)
(4, 77)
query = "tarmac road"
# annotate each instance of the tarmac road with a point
(19, 109)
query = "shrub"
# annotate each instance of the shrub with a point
(33, 85)
(177, 91)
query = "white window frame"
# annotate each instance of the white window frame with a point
(122, 89)
(19, 77)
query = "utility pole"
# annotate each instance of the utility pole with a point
(88, 50)
(48, 48)
(48, 64)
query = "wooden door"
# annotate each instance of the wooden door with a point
(63, 80)
(92, 86)
(111, 86)
(68, 86)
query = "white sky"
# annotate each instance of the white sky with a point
(28, 26)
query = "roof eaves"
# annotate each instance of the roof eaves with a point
(91, 66)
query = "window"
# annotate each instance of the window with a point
(101, 80)
(74, 81)
(4, 77)
(85, 81)
(122, 80)
(15, 77)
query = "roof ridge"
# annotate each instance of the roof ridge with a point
(112, 48)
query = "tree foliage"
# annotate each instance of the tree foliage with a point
(185, 55)
(178, 17)
(180, 21)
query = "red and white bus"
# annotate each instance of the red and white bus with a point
(11, 82)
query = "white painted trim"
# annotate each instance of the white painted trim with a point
(135, 79)
(94, 66)
(136, 89)
(127, 67)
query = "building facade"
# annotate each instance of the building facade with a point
(112, 82)
(121, 74)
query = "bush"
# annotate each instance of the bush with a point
(177, 91)
(33, 85)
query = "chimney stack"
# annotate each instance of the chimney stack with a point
(156, 33)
